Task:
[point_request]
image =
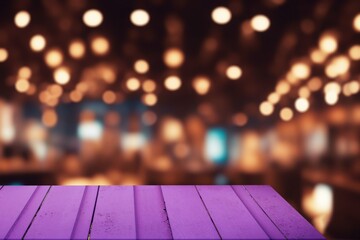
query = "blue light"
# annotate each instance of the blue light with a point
(216, 146)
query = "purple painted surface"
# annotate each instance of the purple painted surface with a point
(56, 218)
(263, 220)
(286, 218)
(150, 212)
(231, 217)
(187, 214)
(19, 228)
(13, 200)
(83, 221)
(114, 214)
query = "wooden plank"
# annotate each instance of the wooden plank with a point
(114, 216)
(82, 225)
(58, 213)
(286, 218)
(264, 221)
(230, 215)
(187, 214)
(19, 228)
(13, 200)
(150, 212)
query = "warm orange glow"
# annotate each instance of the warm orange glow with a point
(339, 65)
(37, 43)
(92, 18)
(314, 84)
(53, 58)
(201, 84)
(24, 72)
(141, 66)
(133, 84)
(62, 75)
(221, 15)
(302, 104)
(22, 85)
(318, 56)
(149, 86)
(77, 49)
(100, 45)
(304, 92)
(172, 83)
(233, 72)
(282, 87)
(149, 117)
(331, 98)
(266, 108)
(300, 70)
(22, 19)
(273, 98)
(328, 43)
(286, 114)
(140, 17)
(354, 52)
(240, 119)
(3, 54)
(76, 96)
(49, 118)
(109, 97)
(332, 87)
(260, 23)
(356, 23)
(55, 90)
(173, 57)
(149, 99)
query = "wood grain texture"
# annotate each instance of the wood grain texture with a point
(114, 216)
(263, 220)
(150, 212)
(187, 214)
(286, 218)
(13, 200)
(230, 215)
(56, 218)
(19, 228)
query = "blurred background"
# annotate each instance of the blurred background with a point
(186, 92)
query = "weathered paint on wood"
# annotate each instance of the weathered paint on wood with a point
(149, 212)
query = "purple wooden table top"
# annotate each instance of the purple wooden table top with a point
(149, 212)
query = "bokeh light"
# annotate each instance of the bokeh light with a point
(173, 57)
(149, 86)
(149, 99)
(100, 45)
(133, 84)
(53, 57)
(92, 18)
(62, 75)
(22, 19)
(201, 84)
(172, 83)
(22, 85)
(286, 114)
(37, 43)
(328, 43)
(141, 66)
(356, 23)
(140, 17)
(260, 23)
(77, 49)
(302, 104)
(266, 108)
(3, 54)
(221, 15)
(233, 72)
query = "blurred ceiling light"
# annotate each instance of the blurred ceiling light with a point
(172, 83)
(53, 57)
(286, 114)
(201, 84)
(141, 66)
(133, 84)
(149, 99)
(62, 75)
(240, 119)
(356, 23)
(108, 74)
(22, 85)
(24, 72)
(266, 108)
(318, 56)
(314, 84)
(300, 70)
(171, 129)
(37, 43)
(49, 118)
(260, 23)
(92, 18)
(354, 52)
(273, 98)
(304, 92)
(339, 65)
(90, 130)
(3, 54)
(75, 96)
(331, 98)
(173, 57)
(233, 72)
(22, 19)
(100, 45)
(221, 15)
(302, 104)
(149, 117)
(282, 87)
(109, 97)
(77, 49)
(149, 86)
(332, 87)
(328, 43)
(140, 17)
